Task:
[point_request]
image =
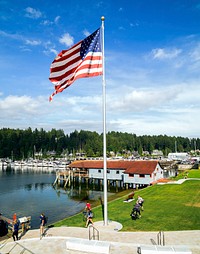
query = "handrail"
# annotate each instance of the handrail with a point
(92, 236)
(161, 238)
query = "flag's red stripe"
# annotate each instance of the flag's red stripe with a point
(87, 75)
(77, 75)
(65, 54)
(64, 73)
(82, 65)
(67, 65)
(87, 69)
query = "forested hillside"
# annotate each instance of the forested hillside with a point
(22, 144)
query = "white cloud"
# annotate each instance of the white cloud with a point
(18, 106)
(134, 24)
(18, 37)
(195, 53)
(161, 53)
(32, 13)
(168, 110)
(33, 42)
(11, 36)
(56, 20)
(86, 33)
(67, 40)
(48, 22)
(54, 51)
(25, 49)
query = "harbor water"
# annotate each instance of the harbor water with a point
(29, 192)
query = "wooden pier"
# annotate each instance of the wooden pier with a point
(70, 176)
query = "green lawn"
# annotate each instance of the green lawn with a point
(167, 207)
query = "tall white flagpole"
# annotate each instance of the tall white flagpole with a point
(104, 130)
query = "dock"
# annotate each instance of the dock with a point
(69, 176)
(24, 224)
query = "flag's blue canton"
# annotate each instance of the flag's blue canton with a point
(91, 44)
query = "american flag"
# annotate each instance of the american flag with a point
(82, 60)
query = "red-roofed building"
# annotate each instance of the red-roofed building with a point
(131, 173)
(143, 172)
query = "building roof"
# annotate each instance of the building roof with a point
(98, 164)
(129, 167)
(142, 167)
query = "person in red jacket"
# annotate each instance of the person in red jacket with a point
(88, 206)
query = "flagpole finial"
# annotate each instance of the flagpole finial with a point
(102, 18)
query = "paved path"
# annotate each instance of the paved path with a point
(120, 242)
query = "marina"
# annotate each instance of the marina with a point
(34, 164)
(29, 191)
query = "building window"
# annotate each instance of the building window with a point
(117, 172)
(141, 175)
(99, 171)
(108, 171)
(131, 175)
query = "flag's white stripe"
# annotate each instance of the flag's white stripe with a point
(69, 51)
(90, 53)
(63, 80)
(65, 61)
(60, 73)
(86, 71)
(79, 72)
(60, 63)
(89, 61)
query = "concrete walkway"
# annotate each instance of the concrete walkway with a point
(120, 242)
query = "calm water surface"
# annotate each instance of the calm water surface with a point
(29, 193)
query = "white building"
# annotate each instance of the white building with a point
(131, 173)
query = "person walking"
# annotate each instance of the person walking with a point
(89, 218)
(137, 209)
(15, 230)
(42, 224)
(141, 201)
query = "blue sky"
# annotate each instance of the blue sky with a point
(152, 62)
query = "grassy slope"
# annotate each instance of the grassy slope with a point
(166, 207)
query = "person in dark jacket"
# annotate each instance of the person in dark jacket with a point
(43, 221)
(15, 230)
(136, 210)
(89, 218)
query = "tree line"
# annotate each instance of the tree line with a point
(22, 144)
